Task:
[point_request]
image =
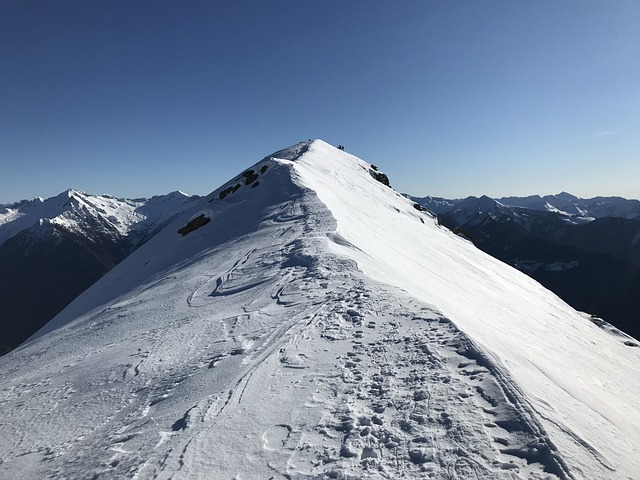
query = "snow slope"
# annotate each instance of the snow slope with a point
(318, 327)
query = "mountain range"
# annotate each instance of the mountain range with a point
(306, 321)
(52, 250)
(585, 250)
(574, 209)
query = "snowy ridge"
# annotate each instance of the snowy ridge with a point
(516, 320)
(318, 327)
(576, 210)
(72, 210)
(570, 205)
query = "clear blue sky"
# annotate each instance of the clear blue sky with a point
(136, 98)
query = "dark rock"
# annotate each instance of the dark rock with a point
(194, 224)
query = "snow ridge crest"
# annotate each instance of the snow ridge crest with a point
(330, 330)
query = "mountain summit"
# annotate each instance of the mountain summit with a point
(305, 321)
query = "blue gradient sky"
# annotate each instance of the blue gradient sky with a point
(137, 98)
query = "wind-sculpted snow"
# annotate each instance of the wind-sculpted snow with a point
(581, 381)
(297, 368)
(284, 339)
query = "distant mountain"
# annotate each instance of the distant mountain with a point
(585, 250)
(305, 321)
(597, 207)
(51, 250)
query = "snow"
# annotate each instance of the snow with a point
(551, 208)
(525, 328)
(71, 208)
(587, 208)
(319, 327)
(201, 213)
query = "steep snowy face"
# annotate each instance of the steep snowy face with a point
(591, 263)
(305, 321)
(575, 375)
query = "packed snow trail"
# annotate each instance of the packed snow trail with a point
(261, 345)
(324, 377)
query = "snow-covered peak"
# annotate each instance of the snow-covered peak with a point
(566, 197)
(176, 195)
(295, 151)
(70, 193)
(22, 215)
(586, 208)
(482, 204)
(436, 205)
(77, 211)
(474, 208)
(304, 320)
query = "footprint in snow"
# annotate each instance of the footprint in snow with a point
(276, 437)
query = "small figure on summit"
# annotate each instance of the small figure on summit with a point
(340, 147)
